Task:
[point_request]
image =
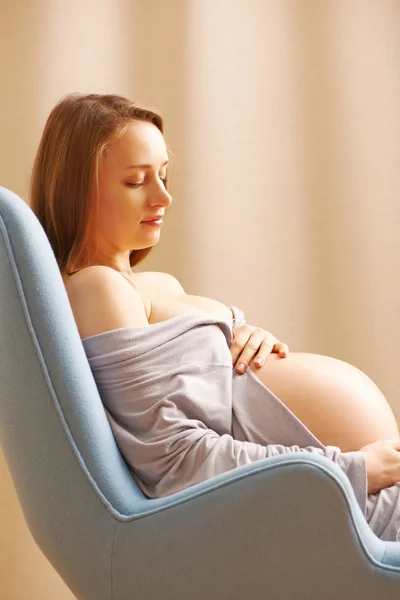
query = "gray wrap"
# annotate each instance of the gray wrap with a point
(181, 414)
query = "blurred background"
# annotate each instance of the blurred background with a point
(284, 121)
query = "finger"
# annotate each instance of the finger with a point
(256, 346)
(265, 350)
(238, 343)
(281, 349)
(248, 352)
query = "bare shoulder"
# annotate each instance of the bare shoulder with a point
(164, 281)
(103, 300)
(94, 276)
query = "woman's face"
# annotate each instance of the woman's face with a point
(131, 191)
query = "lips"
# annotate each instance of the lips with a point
(158, 218)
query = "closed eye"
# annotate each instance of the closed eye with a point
(136, 185)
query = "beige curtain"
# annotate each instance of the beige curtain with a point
(284, 119)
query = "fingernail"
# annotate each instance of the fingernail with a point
(259, 361)
(240, 368)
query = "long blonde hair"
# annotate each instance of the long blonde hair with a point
(65, 175)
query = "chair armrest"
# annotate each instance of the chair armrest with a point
(292, 521)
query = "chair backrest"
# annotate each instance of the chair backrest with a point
(54, 431)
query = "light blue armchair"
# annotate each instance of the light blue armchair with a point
(281, 528)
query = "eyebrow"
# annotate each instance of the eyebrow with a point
(145, 166)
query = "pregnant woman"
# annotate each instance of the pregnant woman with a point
(180, 376)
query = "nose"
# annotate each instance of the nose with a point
(160, 196)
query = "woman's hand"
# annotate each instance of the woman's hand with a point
(250, 341)
(382, 459)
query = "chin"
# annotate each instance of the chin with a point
(149, 243)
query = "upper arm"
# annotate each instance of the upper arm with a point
(102, 300)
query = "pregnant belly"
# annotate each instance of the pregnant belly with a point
(338, 403)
